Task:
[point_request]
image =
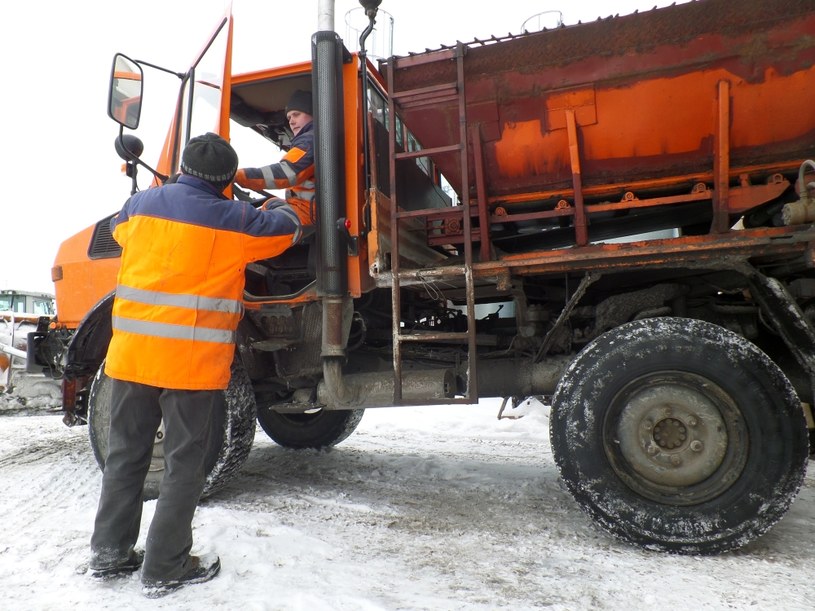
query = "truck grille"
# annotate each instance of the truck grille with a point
(103, 246)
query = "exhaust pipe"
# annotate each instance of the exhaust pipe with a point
(376, 389)
(326, 79)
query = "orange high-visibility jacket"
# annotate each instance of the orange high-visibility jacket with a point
(178, 295)
(295, 173)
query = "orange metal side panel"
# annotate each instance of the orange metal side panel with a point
(84, 281)
(643, 90)
(359, 281)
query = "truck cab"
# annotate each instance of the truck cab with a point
(26, 303)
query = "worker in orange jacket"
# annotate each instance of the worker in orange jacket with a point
(178, 302)
(295, 171)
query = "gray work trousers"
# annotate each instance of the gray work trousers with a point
(136, 413)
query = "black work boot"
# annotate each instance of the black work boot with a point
(103, 568)
(199, 569)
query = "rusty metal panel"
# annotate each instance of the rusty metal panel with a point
(643, 89)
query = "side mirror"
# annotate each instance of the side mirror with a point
(129, 147)
(124, 98)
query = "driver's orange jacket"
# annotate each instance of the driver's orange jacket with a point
(295, 173)
(178, 297)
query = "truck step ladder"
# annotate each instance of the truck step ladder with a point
(424, 97)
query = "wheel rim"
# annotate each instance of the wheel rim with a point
(157, 459)
(675, 437)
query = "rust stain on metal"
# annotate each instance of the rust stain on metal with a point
(642, 89)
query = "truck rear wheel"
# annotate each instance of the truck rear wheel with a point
(228, 449)
(317, 430)
(678, 435)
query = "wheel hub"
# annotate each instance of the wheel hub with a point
(672, 431)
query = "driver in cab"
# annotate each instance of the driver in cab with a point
(295, 171)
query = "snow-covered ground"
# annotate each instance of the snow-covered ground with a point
(421, 508)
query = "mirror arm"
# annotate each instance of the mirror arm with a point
(180, 75)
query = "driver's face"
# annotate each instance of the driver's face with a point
(298, 120)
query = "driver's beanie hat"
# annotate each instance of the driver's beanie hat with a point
(210, 158)
(300, 100)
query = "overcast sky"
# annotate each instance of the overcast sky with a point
(60, 171)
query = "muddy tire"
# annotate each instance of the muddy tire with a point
(228, 449)
(678, 435)
(317, 430)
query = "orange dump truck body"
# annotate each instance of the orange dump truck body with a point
(646, 102)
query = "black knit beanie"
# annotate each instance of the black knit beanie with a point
(211, 158)
(300, 100)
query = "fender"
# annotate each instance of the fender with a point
(90, 341)
(84, 354)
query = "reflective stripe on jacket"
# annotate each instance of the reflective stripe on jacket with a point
(295, 173)
(178, 299)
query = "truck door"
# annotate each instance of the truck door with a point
(203, 96)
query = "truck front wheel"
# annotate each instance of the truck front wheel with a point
(228, 449)
(316, 430)
(678, 435)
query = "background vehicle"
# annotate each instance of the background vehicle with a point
(615, 215)
(20, 313)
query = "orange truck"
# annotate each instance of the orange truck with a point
(615, 217)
